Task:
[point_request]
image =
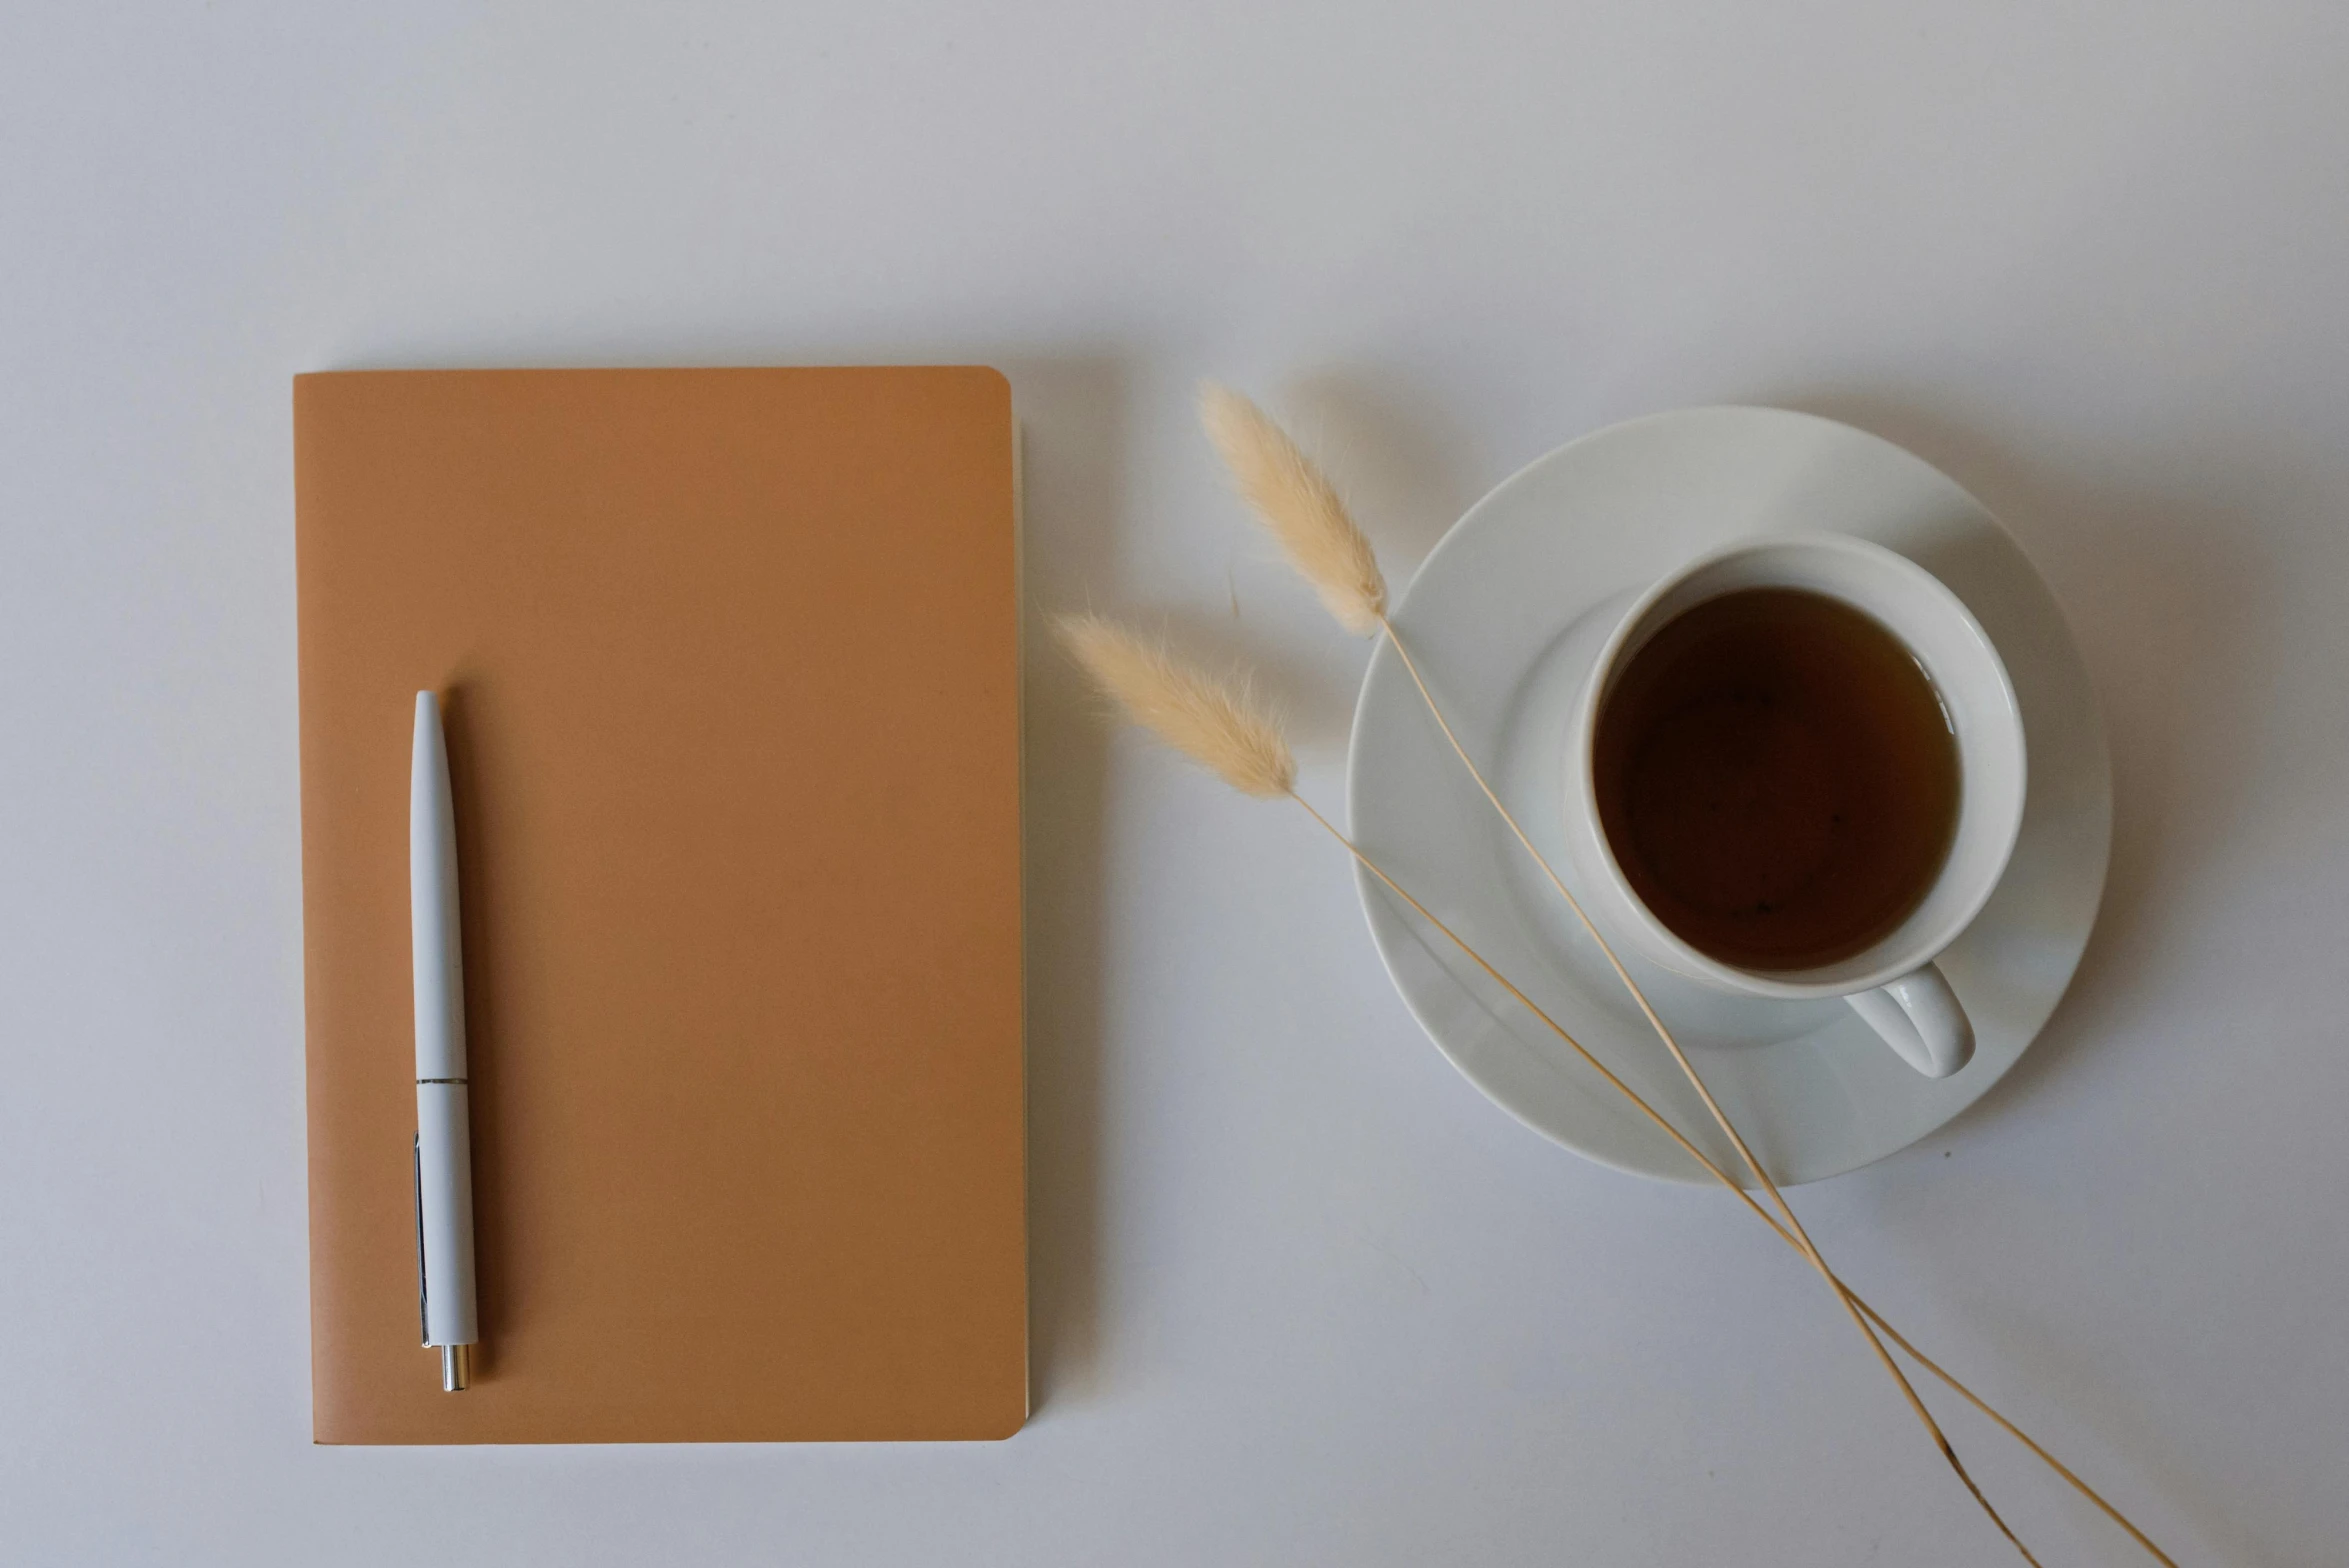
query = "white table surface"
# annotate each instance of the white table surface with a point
(1301, 1295)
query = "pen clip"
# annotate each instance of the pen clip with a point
(423, 1317)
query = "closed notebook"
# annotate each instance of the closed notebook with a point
(730, 667)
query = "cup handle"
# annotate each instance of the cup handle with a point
(1920, 1018)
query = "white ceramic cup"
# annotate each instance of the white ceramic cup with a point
(1894, 984)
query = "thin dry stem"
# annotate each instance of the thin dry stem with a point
(1794, 1236)
(1300, 508)
(1218, 724)
(1798, 1237)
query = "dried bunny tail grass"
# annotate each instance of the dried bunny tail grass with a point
(1218, 724)
(1293, 500)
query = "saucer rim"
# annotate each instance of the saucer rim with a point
(2092, 766)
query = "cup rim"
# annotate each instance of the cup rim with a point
(1915, 951)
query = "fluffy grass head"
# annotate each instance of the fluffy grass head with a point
(1299, 507)
(1217, 724)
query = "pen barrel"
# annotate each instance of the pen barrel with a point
(444, 1212)
(436, 951)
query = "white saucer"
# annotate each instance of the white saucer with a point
(1811, 1087)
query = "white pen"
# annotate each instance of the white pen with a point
(444, 1156)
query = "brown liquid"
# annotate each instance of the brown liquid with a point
(1777, 778)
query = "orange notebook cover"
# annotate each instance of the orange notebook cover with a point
(730, 667)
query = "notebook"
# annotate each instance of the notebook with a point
(730, 667)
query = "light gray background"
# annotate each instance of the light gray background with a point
(1301, 1295)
